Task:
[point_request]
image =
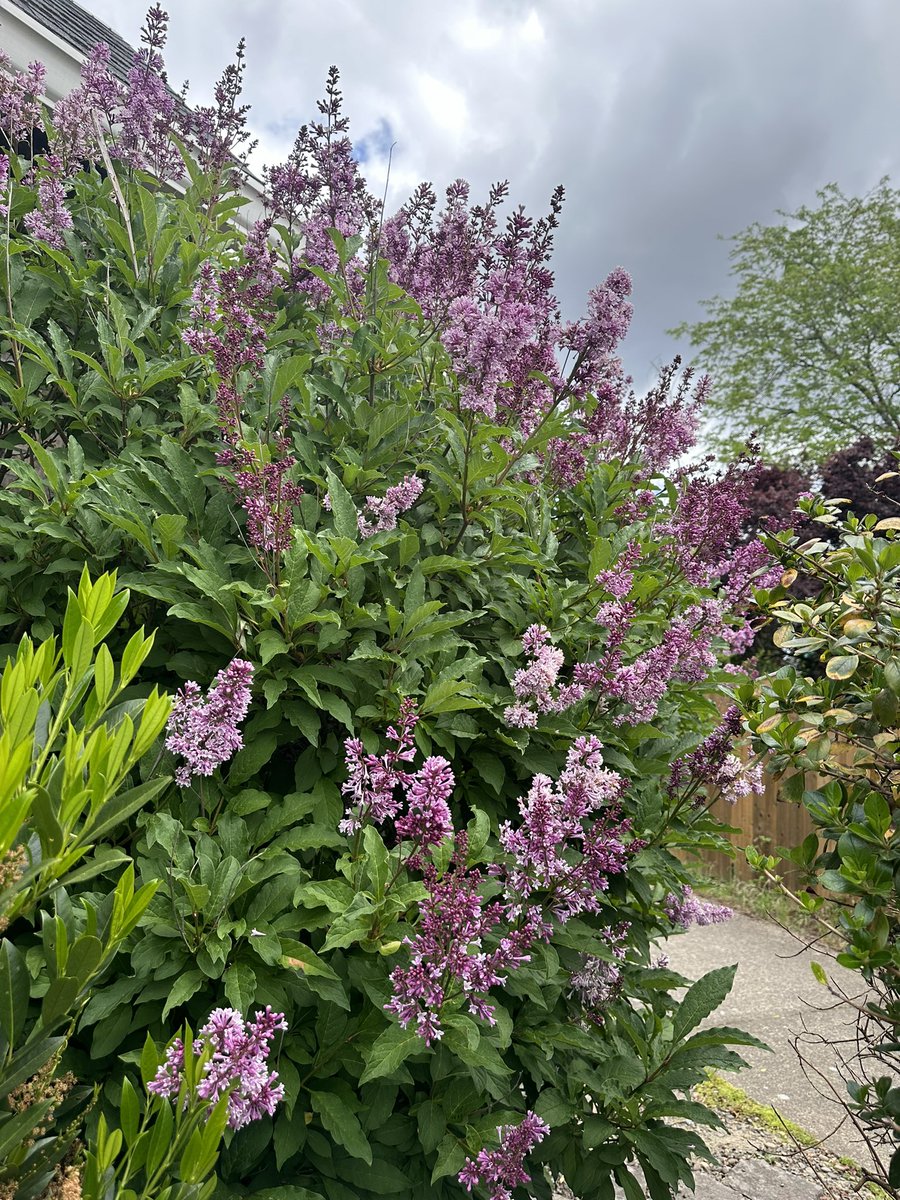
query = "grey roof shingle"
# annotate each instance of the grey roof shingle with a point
(80, 29)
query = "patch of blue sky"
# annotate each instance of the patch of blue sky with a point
(375, 144)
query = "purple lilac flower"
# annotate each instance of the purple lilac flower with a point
(218, 132)
(20, 99)
(205, 731)
(551, 827)
(687, 909)
(238, 1065)
(50, 220)
(536, 687)
(381, 513)
(377, 784)
(502, 1169)
(149, 107)
(427, 820)
(737, 780)
(230, 318)
(463, 945)
(709, 518)
(447, 955)
(318, 189)
(653, 430)
(373, 780)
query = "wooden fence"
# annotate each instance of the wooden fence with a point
(766, 822)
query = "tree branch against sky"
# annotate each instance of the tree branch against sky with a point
(807, 351)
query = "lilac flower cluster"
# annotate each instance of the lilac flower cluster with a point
(318, 189)
(447, 956)
(502, 1169)
(218, 132)
(535, 686)
(237, 1065)
(373, 780)
(686, 909)
(489, 291)
(598, 984)
(230, 318)
(20, 100)
(559, 859)
(205, 731)
(378, 785)
(381, 513)
(50, 220)
(654, 430)
(149, 110)
(713, 764)
(708, 519)
(135, 119)
(551, 826)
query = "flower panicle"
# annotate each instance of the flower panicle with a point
(237, 1065)
(205, 731)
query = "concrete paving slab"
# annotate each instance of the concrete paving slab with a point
(756, 1179)
(776, 997)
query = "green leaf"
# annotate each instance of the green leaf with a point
(240, 986)
(59, 1000)
(343, 510)
(185, 986)
(117, 810)
(27, 1061)
(129, 1111)
(149, 1060)
(161, 1142)
(451, 1158)
(389, 1050)
(14, 991)
(342, 1123)
(378, 864)
(842, 666)
(491, 769)
(700, 1000)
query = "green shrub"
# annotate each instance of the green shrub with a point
(71, 737)
(841, 724)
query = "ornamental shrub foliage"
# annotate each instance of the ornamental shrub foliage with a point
(359, 465)
(840, 724)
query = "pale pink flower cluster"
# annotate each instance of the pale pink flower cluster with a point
(737, 781)
(536, 686)
(378, 784)
(238, 1065)
(687, 909)
(381, 512)
(558, 862)
(502, 1169)
(50, 220)
(205, 731)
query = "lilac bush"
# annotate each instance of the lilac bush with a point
(360, 472)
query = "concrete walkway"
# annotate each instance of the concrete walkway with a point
(776, 997)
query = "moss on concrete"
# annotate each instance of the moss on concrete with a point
(717, 1093)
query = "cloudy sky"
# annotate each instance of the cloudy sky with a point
(669, 122)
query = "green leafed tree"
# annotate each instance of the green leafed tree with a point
(806, 353)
